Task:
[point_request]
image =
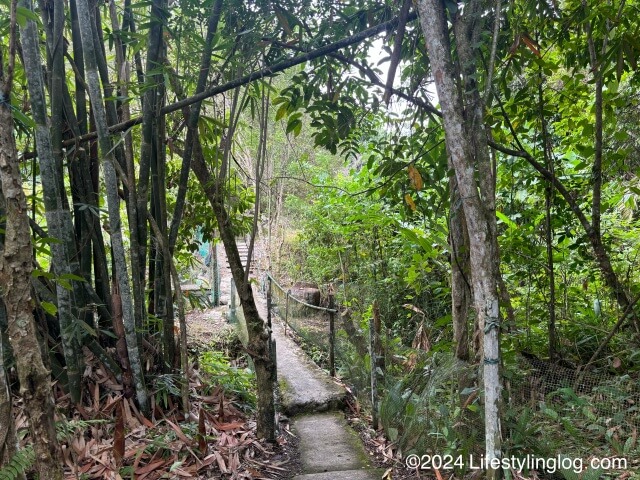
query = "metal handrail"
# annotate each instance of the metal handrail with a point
(322, 309)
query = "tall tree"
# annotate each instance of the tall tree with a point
(468, 150)
(16, 263)
(113, 201)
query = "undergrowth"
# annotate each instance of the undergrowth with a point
(237, 381)
(24, 459)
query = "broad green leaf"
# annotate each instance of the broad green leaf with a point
(50, 308)
(506, 220)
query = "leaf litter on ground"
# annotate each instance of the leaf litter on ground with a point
(106, 437)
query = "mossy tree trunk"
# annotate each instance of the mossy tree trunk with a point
(16, 261)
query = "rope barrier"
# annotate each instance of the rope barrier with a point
(297, 300)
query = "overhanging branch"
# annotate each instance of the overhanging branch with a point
(266, 72)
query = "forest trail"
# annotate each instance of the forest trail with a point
(328, 447)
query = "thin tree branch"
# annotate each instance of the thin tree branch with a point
(266, 72)
(494, 48)
(12, 49)
(397, 50)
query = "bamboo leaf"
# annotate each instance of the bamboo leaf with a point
(506, 220)
(20, 117)
(49, 307)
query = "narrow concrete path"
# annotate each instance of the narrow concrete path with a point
(329, 448)
(304, 387)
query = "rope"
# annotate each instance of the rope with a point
(492, 324)
(322, 309)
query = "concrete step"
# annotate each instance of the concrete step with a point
(330, 449)
(304, 387)
(343, 475)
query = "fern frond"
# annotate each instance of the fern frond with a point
(19, 464)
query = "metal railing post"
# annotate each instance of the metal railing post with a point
(232, 303)
(269, 302)
(274, 357)
(332, 333)
(286, 312)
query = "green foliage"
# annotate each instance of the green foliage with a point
(19, 464)
(591, 474)
(424, 411)
(236, 381)
(364, 242)
(598, 423)
(25, 458)
(165, 386)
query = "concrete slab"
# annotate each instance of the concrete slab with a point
(327, 444)
(304, 387)
(329, 448)
(343, 475)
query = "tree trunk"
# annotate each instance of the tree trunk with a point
(16, 260)
(163, 296)
(111, 183)
(130, 181)
(150, 114)
(137, 274)
(462, 142)
(121, 343)
(63, 252)
(8, 439)
(163, 245)
(354, 335)
(460, 273)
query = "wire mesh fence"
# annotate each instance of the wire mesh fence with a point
(435, 405)
(312, 323)
(579, 413)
